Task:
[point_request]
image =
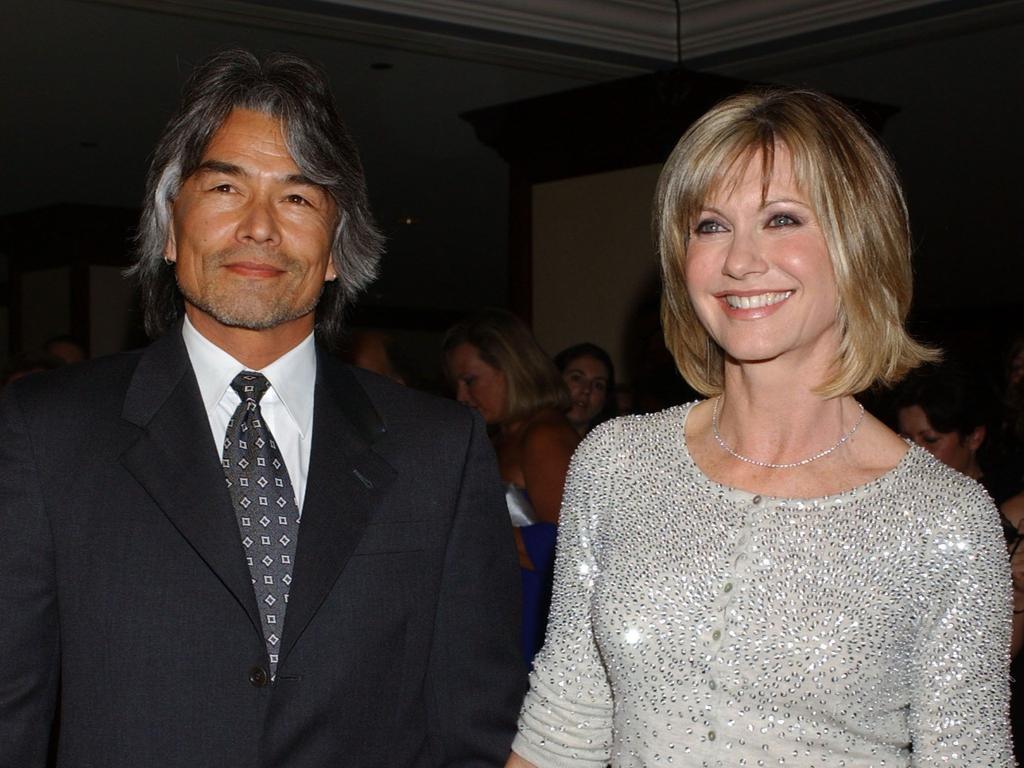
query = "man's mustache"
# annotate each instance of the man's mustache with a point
(274, 259)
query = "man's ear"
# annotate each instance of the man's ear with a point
(170, 247)
(330, 274)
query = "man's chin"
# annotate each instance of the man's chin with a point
(251, 318)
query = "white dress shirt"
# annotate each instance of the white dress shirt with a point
(287, 406)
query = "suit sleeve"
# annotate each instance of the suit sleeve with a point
(29, 638)
(476, 674)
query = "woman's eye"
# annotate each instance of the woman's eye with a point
(600, 386)
(709, 227)
(782, 220)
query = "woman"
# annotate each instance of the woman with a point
(771, 576)
(589, 374)
(499, 369)
(943, 411)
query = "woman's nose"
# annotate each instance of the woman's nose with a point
(744, 256)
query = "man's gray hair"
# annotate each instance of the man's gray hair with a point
(297, 92)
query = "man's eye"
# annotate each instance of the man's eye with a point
(298, 199)
(782, 220)
(709, 227)
(223, 188)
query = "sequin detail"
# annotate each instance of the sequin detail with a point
(697, 625)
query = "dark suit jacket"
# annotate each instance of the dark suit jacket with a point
(125, 596)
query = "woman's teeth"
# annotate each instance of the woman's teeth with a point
(756, 302)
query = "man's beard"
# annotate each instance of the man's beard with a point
(253, 310)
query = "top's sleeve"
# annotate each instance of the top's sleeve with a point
(960, 693)
(29, 639)
(566, 719)
(476, 676)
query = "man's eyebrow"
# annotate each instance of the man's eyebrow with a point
(230, 169)
(301, 179)
(219, 166)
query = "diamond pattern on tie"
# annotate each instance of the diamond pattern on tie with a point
(252, 462)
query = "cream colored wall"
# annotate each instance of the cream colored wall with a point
(593, 257)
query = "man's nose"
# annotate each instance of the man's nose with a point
(259, 222)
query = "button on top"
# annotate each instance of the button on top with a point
(727, 587)
(258, 677)
(716, 635)
(757, 499)
(712, 735)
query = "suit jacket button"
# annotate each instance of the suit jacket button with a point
(258, 677)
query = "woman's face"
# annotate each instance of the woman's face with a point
(758, 270)
(477, 383)
(951, 448)
(587, 379)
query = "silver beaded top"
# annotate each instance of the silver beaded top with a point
(767, 464)
(697, 625)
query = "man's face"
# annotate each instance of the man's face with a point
(250, 235)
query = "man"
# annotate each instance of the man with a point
(231, 549)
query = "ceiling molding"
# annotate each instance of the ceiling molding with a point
(643, 28)
(580, 63)
(599, 38)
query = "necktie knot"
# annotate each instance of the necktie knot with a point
(250, 386)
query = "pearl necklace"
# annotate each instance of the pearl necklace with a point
(768, 464)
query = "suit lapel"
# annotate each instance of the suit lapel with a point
(175, 460)
(346, 481)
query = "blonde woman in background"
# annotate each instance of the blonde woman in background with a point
(771, 577)
(498, 368)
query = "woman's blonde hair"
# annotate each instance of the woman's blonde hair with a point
(855, 193)
(503, 341)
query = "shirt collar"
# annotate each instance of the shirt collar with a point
(292, 376)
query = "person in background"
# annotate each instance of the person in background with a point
(497, 368)
(771, 576)
(944, 410)
(374, 351)
(29, 362)
(67, 348)
(589, 374)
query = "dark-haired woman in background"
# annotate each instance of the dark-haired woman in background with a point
(946, 411)
(589, 374)
(498, 368)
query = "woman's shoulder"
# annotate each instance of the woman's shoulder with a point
(638, 428)
(941, 495)
(548, 426)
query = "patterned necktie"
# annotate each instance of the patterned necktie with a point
(268, 516)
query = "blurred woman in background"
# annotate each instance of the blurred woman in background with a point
(589, 374)
(945, 411)
(498, 368)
